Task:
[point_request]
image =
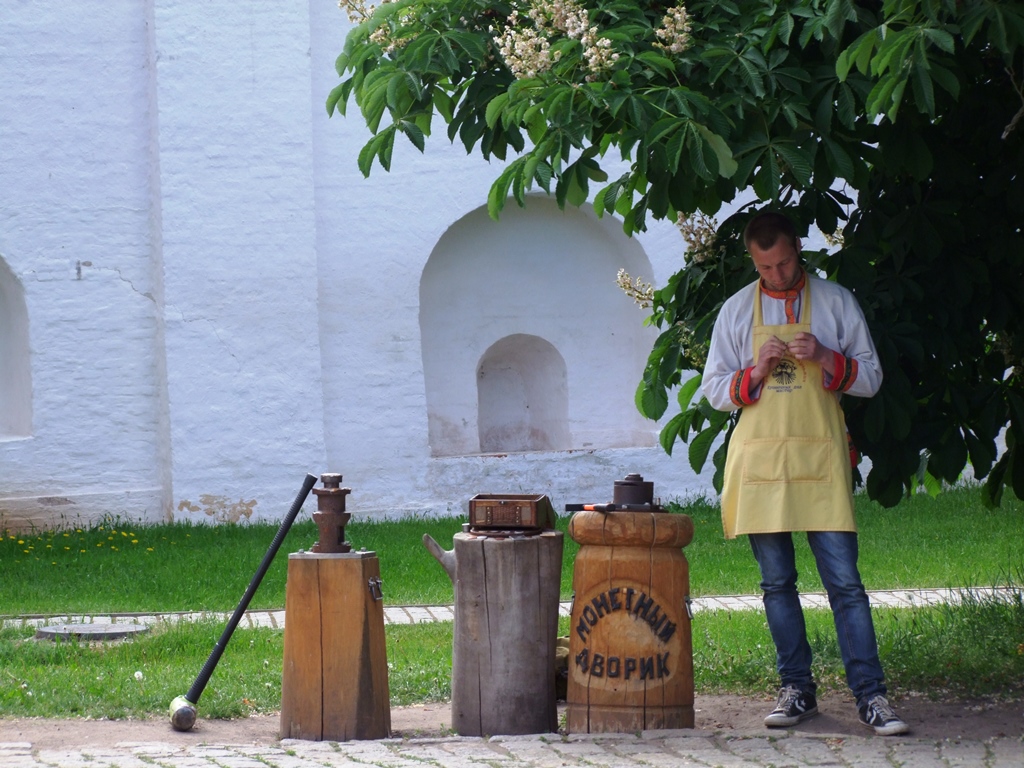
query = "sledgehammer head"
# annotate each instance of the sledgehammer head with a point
(183, 714)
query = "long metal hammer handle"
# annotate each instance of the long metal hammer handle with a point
(204, 676)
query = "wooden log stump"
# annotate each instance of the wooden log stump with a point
(335, 677)
(630, 648)
(506, 626)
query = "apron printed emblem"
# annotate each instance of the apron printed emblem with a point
(785, 372)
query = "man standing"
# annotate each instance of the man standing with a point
(783, 350)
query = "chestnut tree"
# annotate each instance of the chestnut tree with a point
(892, 123)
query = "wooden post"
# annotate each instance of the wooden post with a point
(335, 683)
(506, 625)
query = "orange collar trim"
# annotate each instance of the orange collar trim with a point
(792, 293)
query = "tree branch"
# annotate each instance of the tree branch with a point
(1020, 112)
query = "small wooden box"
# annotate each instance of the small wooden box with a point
(510, 511)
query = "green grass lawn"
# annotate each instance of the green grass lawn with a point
(951, 541)
(972, 650)
(141, 677)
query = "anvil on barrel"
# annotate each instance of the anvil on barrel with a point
(330, 516)
(632, 494)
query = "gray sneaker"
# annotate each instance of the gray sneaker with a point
(792, 706)
(877, 713)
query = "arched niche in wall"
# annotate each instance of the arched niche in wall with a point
(548, 274)
(522, 396)
(15, 368)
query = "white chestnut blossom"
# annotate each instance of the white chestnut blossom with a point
(359, 11)
(637, 289)
(700, 233)
(525, 42)
(674, 34)
(525, 50)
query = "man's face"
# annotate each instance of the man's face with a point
(779, 266)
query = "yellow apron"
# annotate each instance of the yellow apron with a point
(788, 466)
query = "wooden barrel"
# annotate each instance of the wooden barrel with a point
(630, 647)
(335, 677)
(506, 627)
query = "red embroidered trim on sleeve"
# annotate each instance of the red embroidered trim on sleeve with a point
(845, 373)
(739, 392)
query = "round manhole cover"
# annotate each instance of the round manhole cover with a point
(87, 632)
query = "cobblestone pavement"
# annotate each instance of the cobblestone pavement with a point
(651, 748)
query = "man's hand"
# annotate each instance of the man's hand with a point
(805, 346)
(767, 358)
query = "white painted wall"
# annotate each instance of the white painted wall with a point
(547, 273)
(215, 301)
(522, 397)
(238, 253)
(74, 231)
(15, 368)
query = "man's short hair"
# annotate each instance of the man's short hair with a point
(766, 228)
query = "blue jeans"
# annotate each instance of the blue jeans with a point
(835, 553)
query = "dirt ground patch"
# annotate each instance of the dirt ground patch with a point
(967, 720)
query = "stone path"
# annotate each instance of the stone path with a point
(417, 614)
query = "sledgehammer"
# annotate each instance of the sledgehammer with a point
(183, 708)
